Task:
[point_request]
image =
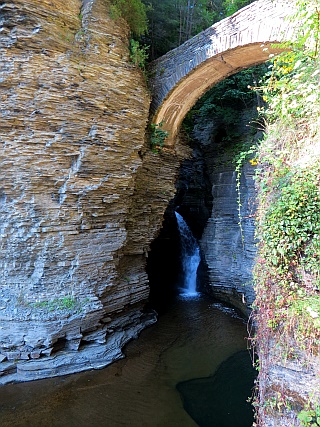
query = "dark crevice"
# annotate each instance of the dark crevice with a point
(163, 265)
(193, 201)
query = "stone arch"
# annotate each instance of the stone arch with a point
(183, 75)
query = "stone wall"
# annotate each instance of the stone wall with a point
(74, 222)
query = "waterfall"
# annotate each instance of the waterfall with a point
(190, 254)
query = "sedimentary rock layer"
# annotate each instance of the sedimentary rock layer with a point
(73, 115)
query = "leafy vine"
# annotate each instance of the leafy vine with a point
(157, 137)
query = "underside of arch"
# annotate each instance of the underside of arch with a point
(202, 78)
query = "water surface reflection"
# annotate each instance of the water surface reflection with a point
(190, 341)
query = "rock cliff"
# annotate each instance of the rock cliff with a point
(288, 380)
(228, 241)
(82, 197)
(210, 201)
(75, 226)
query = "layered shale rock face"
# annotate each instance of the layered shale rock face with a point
(227, 242)
(72, 193)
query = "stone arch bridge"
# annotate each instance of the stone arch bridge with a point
(183, 75)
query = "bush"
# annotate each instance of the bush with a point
(134, 12)
(287, 268)
(158, 136)
(138, 54)
(291, 226)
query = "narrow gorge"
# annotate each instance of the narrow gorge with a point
(88, 230)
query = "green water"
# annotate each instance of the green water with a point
(221, 399)
(195, 340)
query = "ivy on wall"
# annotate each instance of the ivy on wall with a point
(287, 271)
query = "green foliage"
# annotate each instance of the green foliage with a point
(292, 84)
(239, 160)
(171, 23)
(133, 11)
(310, 418)
(287, 269)
(65, 303)
(308, 30)
(157, 136)
(231, 6)
(292, 90)
(290, 227)
(225, 101)
(138, 54)
(308, 310)
(289, 221)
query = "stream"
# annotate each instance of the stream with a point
(187, 370)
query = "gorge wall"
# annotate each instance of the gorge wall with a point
(288, 380)
(228, 242)
(208, 197)
(81, 197)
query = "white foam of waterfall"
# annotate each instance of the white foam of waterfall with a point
(190, 255)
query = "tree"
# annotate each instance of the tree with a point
(134, 12)
(172, 22)
(231, 6)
